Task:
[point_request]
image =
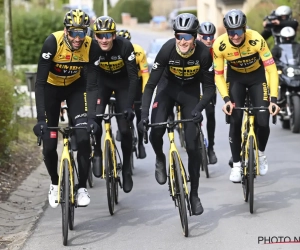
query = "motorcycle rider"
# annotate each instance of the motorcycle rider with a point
(280, 18)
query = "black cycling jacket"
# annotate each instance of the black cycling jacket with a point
(178, 70)
(112, 68)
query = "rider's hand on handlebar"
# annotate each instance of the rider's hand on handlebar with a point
(224, 108)
(38, 130)
(197, 116)
(141, 124)
(92, 126)
(277, 109)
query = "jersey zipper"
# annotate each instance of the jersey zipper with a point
(182, 83)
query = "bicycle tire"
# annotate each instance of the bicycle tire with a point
(251, 173)
(245, 182)
(90, 175)
(131, 164)
(204, 160)
(65, 194)
(72, 207)
(180, 195)
(109, 178)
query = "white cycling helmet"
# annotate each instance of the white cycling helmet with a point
(287, 35)
(283, 11)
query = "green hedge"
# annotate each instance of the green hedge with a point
(194, 12)
(137, 8)
(7, 101)
(29, 31)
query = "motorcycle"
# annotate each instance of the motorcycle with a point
(288, 66)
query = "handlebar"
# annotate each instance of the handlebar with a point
(227, 117)
(169, 124)
(109, 116)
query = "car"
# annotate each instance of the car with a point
(154, 48)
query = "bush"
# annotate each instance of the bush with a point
(194, 12)
(137, 8)
(29, 31)
(7, 101)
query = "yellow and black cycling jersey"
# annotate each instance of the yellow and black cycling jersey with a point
(60, 66)
(248, 57)
(141, 62)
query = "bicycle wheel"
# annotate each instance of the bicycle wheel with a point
(180, 195)
(245, 182)
(90, 176)
(72, 206)
(109, 177)
(251, 173)
(204, 164)
(131, 164)
(65, 194)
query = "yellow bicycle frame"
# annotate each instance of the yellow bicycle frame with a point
(171, 163)
(108, 137)
(65, 155)
(248, 126)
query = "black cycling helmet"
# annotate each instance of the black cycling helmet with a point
(76, 19)
(186, 23)
(235, 19)
(207, 28)
(124, 33)
(104, 24)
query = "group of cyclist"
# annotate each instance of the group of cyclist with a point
(113, 65)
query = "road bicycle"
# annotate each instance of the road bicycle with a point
(67, 189)
(111, 110)
(112, 163)
(249, 150)
(74, 147)
(202, 141)
(177, 178)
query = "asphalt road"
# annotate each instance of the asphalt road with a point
(147, 219)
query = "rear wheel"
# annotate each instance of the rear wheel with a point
(64, 199)
(109, 177)
(180, 195)
(251, 173)
(181, 135)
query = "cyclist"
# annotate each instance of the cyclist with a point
(206, 33)
(248, 56)
(185, 62)
(141, 61)
(280, 18)
(114, 70)
(59, 78)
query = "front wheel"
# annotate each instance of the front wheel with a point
(204, 160)
(251, 173)
(180, 195)
(109, 178)
(64, 200)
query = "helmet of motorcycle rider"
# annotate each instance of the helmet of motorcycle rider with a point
(287, 35)
(283, 12)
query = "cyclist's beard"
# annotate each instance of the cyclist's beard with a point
(68, 43)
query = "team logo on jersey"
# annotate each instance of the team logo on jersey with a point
(114, 58)
(222, 46)
(131, 57)
(211, 68)
(46, 55)
(177, 62)
(253, 42)
(112, 66)
(97, 62)
(186, 72)
(68, 57)
(75, 57)
(155, 65)
(190, 62)
(197, 62)
(267, 54)
(171, 62)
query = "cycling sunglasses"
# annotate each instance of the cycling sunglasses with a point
(74, 33)
(103, 35)
(186, 37)
(238, 32)
(205, 37)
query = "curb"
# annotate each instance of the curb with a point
(24, 207)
